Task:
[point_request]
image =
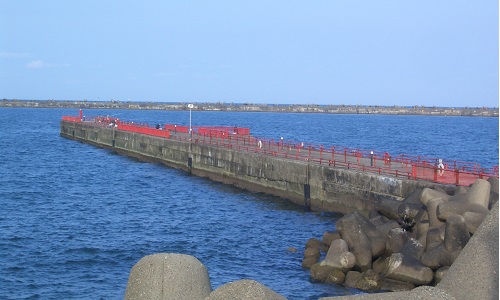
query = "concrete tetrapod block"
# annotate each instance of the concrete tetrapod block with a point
(388, 208)
(409, 210)
(428, 194)
(473, 220)
(459, 207)
(396, 240)
(437, 257)
(479, 192)
(339, 257)
(352, 231)
(244, 289)
(329, 237)
(168, 276)
(414, 197)
(494, 191)
(456, 233)
(386, 227)
(474, 274)
(432, 205)
(370, 281)
(351, 278)
(408, 269)
(377, 238)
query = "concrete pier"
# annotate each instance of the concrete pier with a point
(319, 187)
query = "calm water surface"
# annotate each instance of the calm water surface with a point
(75, 218)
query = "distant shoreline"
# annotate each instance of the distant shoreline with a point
(251, 107)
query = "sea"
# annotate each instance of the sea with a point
(76, 218)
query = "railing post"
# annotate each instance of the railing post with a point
(457, 176)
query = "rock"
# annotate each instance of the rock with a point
(337, 246)
(386, 227)
(380, 264)
(436, 256)
(312, 252)
(421, 225)
(339, 257)
(329, 237)
(476, 200)
(315, 243)
(440, 273)
(396, 285)
(473, 220)
(353, 232)
(408, 269)
(494, 184)
(459, 207)
(433, 237)
(414, 197)
(168, 276)
(493, 191)
(388, 208)
(460, 190)
(320, 272)
(309, 261)
(395, 241)
(377, 219)
(370, 281)
(456, 233)
(422, 228)
(413, 248)
(479, 193)
(351, 278)
(342, 261)
(428, 194)
(409, 210)
(336, 276)
(244, 289)
(432, 205)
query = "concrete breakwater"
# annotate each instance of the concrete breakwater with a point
(319, 187)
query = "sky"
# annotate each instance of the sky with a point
(357, 52)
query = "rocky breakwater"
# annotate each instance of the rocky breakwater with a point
(401, 244)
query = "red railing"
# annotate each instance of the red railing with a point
(144, 129)
(235, 138)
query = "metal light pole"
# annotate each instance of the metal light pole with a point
(190, 130)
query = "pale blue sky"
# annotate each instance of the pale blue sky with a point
(433, 53)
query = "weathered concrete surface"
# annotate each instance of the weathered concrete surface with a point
(244, 289)
(165, 276)
(473, 275)
(321, 187)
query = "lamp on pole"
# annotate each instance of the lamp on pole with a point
(190, 130)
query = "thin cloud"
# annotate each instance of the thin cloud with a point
(13, 55)
(37, 64)
(40, 64)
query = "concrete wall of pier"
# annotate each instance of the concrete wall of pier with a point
(319, 187)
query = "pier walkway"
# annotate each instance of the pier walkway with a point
(402, 166)
(414, 167)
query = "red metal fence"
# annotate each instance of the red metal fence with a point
(402, 165)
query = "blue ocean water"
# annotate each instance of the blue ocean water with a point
(75, 218)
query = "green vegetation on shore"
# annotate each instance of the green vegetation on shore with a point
(222, 106)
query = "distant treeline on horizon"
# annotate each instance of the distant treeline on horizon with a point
(224, 106)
